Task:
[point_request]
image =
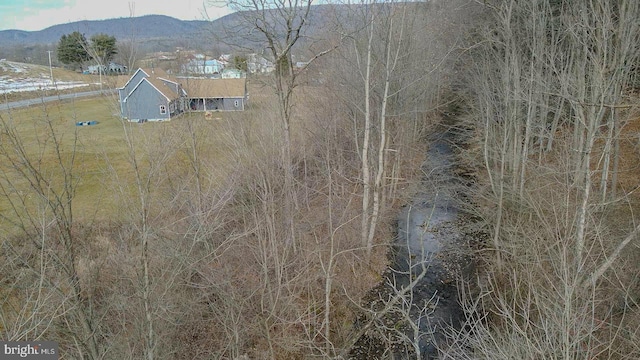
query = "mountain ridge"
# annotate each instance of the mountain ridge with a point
(141, 27)
(160, 33)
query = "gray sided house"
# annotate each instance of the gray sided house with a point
(215, 94)
(151, 95)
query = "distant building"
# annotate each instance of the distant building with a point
(95, 69)
(203, 67)
(150, 95)
(225, 59)
(233, 74)
(257, 64)
(117, 68)
(111, 68)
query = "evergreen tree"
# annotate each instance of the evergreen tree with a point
(103, 48)
(72, 49)
(240, 63)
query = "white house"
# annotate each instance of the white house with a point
(233, 74)
(258, 64)
(203, 67)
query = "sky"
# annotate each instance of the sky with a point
(33, 15)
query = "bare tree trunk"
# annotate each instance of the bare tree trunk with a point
(53, 184)
(143, 184)
(606, 158)
(616, 159)
(378, 187)
(366, 176)
(497, 229)
(584, 204)
(531, 113)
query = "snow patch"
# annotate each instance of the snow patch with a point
(8, 85)
(13, 66)
(18, 79)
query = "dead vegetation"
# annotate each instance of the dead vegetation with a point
(194, 252)
(552, 146)
(253, 235)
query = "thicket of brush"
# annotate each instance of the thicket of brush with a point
(549, 93)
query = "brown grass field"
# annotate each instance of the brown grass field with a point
(103, 166)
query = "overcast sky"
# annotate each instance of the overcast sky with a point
(34, 15)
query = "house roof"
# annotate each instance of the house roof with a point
(155, 72)
(172, 88)
(214, 88)
(128, 79)
(157, 78)
(146, 80)
(149, 72)
(168, 92)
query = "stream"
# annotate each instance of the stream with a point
(429, 251)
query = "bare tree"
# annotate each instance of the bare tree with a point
(39, 181)
(128, 48)
(548, 102)
(384, 67)
(274, 30)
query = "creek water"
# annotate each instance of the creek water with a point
(428, 252)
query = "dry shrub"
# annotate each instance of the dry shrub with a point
(224, 282)
(269, 296)
(538, 305)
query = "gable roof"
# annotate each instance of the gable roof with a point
(149, 72)
(154, 72)
(130, 78)
(168, 92)
(172, 88)
(214, 88)
(158, 79)
(144, 80)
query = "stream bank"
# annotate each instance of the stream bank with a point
(428, 258)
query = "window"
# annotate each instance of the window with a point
(163, 109)
(236, 103)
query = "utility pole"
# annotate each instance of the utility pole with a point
(50, 68)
